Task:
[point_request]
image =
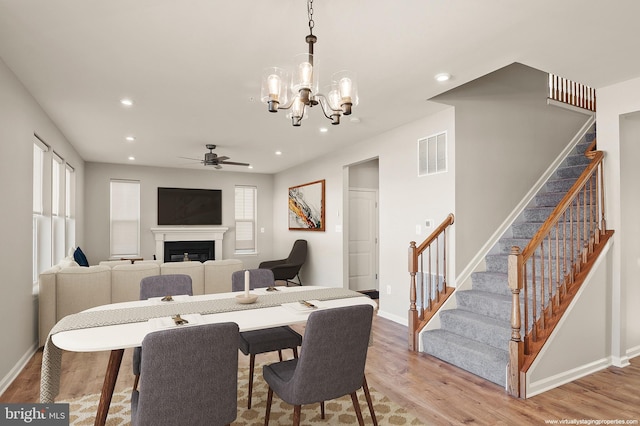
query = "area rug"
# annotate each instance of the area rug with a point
(337, 412)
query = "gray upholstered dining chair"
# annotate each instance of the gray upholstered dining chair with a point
(265, 340)
(189, 376)
(331, 362)
(160, 286)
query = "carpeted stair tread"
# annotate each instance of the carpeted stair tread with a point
(493, 305)
(491, 282)
(478, 358)
(478, 327)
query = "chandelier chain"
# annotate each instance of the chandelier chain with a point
(310, 14)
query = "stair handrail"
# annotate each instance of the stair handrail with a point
(589, 186)
(420, 313)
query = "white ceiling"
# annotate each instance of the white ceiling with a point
(193, 67)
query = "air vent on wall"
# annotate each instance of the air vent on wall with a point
(432, 154)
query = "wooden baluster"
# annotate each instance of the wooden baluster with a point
(429, 282)
(542, 288)
(437, 276)
(603, 222)
(444, 263)
(516, 350)
(564, 253)
(413, 312)
(423, 305)
(534, 301)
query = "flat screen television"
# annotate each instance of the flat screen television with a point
(186, 206)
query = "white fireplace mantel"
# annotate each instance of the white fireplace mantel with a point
(189, 233)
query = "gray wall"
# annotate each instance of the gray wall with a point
(98, 176)
(506, 137)
(20, 118)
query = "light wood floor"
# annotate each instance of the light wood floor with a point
(437, 392)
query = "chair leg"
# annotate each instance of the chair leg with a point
(280, 355)
(367, 395)
(295, 352)
(135, 381)
(252, 363)
(268, 412)
(356, 406)
(322, 410)
(296, 415)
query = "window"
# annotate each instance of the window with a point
(432, 154)
(58, 221)
(69, 207)
(125, 218)
(41, 256)
(245, 215)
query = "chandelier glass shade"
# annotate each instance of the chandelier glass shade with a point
(297, 88)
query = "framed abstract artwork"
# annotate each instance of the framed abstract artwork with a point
(306, 206)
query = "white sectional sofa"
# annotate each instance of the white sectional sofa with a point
(68, 290)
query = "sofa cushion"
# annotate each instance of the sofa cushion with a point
(125, 280)
(193, 268)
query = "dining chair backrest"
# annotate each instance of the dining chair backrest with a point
(258, 278)
(165, 285)
(189, 376)
(332, 357)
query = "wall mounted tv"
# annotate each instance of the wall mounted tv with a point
(185, 206)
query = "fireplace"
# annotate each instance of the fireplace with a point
(166, 234)
(178, 251)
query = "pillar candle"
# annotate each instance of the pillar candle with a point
(246, 283)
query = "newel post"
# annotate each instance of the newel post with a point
(413, 311)
(516, 346)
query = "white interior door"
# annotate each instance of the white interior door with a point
(363, 239)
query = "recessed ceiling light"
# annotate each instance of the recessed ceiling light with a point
(323, 130)
(130, 138)
(278, 152)
(131, 158)
(126, 102)
(442, 77)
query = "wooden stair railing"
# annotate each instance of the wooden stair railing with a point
(433, 286)
(552, 267)
(572, 93)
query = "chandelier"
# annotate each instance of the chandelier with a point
(298, 89)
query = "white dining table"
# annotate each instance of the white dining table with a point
(117, 337)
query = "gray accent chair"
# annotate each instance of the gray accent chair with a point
(289, 268)
(160, 286)
(188, 376)
(265, 340)
(331, 362)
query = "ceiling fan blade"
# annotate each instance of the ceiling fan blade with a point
(194, 159)
(233, 163)
(222, 158)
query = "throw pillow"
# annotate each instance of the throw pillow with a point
(79, 257)
(68, 262)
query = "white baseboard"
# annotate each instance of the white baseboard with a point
(394, 318)
(548, 383)
(15, 371)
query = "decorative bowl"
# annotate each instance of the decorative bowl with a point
(241, 298)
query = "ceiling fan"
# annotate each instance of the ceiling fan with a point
(212, 159)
